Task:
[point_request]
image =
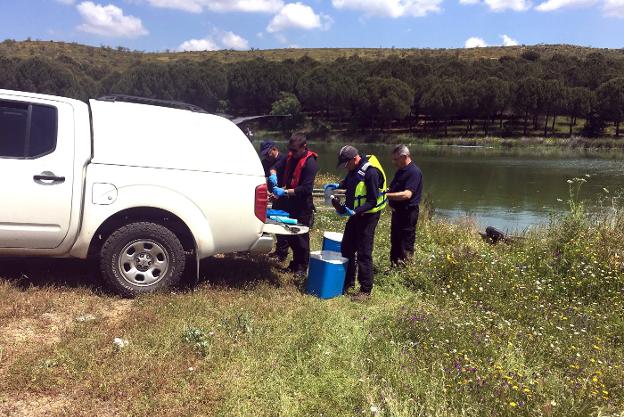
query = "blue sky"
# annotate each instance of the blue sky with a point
(156, 25)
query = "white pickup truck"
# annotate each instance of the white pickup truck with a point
(143, 187)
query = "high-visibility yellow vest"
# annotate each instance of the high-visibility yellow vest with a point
(360, 189)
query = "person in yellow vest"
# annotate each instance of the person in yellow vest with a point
(365, 186)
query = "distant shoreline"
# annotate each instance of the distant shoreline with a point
(603, 144)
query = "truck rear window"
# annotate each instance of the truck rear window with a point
(27, 130)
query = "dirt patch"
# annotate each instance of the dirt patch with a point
(47, 328)
(116, 311)
(46, 405)
(34, 406)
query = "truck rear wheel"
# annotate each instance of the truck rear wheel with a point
(142, 258)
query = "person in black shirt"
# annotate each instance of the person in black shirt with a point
(274, 162)
(363, 208)
(404, 197)
(295, 193)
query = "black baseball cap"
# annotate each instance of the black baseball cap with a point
(266, 146)
(346, 154)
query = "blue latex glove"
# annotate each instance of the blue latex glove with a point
(279, 192)
(331, 186)
(273, 180)
(348, 212)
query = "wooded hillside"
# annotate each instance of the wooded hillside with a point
(509, 91)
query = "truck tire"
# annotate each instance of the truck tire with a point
(141, 258)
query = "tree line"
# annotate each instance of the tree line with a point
(522, 95)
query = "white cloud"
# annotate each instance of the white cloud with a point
(610, 8)
(475, 42)
(109, 21)
(197, 6)
(192, 6)
(614, 8)
(390, 8)
(233, 41)
(199, 45)
(502, 5)
(550, 5)
(515, 5)
(226, 40)
(508, 41)
(298, 16)
(265, 6)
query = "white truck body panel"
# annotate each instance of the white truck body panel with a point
(220, 223)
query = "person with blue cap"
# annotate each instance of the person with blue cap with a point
(274, 163)
(272, 160)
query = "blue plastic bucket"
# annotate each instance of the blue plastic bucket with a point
(332, 241)
(326, 275)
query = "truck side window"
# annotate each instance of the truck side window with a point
(42, 131)
(27, 130)
(13, 129)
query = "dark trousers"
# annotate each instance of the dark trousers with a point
(357, 246)
(281, 242)
(281, 246)
(403, 234)
(300, 244)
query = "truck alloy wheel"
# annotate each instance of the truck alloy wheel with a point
(142, 257)
(143, 262)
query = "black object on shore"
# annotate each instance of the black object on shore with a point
(493, 235)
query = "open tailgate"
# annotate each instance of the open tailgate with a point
(275, 228)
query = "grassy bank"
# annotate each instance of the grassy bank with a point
(606, 144)
(533, 328)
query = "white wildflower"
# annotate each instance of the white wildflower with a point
(120, 343)
(86, 317)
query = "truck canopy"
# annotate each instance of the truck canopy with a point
(133, 134)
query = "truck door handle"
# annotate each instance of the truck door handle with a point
(47, 177)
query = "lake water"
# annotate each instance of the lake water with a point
(509, 189)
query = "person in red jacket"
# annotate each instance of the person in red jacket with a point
(295, 191)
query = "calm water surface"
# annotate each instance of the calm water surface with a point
(508, 189)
